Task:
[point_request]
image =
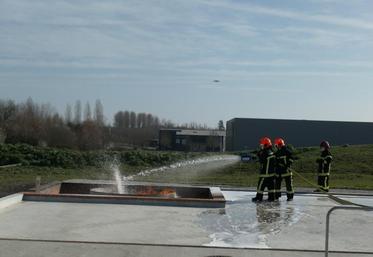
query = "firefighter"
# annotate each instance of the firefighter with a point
(324, 163)
(267, 160)
(284, 159)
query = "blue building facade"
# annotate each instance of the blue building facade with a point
(244, 133)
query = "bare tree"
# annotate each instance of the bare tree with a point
(61, 136)
(126, 117)
(156, 122)
(8, 111)
(30, 108)
(68, 114)
(221, 125)
(2, 135)
(87, 112)
(91, 136)
(78, 112)
(143, 120)
(132, 119)
(149, 120)
(167, 124)
(99, 113)
(33, 123)
(45, 111)
(194, 125)
(138, 120)
(118, 120)
(28, 125)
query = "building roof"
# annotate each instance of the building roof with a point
(297, 120)
(195, 132)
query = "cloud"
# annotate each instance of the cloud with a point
(195, 38)
(296, 15)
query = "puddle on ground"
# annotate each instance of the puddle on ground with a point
(246, 224)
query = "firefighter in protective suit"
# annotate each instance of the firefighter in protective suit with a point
(324, 165)
(284, 160)
(267, 160)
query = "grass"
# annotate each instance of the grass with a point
(60, 164)
(15, 179)
(352, 168)
(242, 176)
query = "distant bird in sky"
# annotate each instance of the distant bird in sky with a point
(216, 81)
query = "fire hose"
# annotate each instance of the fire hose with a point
(331, 196)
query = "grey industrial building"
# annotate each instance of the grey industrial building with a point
(244, 133)
(192, 140)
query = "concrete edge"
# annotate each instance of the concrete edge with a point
(119, 199)
(306, 191)
(10, 165)
(44, 186)
(216, 193)
(134, 182)
(10, 200)
(183, 246)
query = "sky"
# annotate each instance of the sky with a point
(299, 59)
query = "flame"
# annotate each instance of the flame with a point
(149, 190)
(167, 191)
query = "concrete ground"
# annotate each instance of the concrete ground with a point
(241, 229)
(59, 249)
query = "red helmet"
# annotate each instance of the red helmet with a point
(325, 144)
(279, 142)
(266, 142)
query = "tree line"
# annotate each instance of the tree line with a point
(81, 127)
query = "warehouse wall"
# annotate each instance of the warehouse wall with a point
(245, 133)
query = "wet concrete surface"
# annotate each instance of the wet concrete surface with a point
(244, 224)
(10, 248)
(102, 223)
(297, 225)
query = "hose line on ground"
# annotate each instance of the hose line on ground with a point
(331, 196)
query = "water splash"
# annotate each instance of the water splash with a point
(189, 164)
(246, 224)
(117, 176)
(121, 180)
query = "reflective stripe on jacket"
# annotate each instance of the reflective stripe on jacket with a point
(325, 162)
(267, 161)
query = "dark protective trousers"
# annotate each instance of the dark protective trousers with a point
(323, 182)
(263, 183)
(289, 186)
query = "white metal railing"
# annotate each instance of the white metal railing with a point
(349, 207)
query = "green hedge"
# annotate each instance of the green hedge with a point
(65, 158)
